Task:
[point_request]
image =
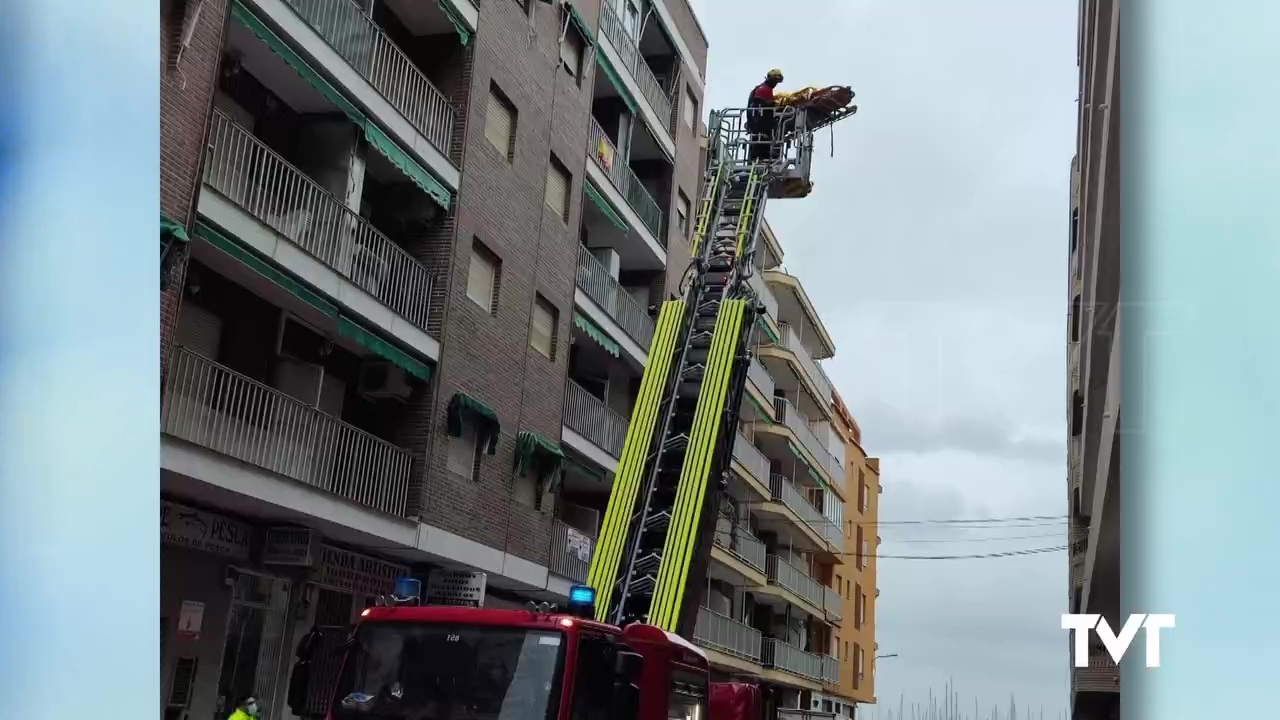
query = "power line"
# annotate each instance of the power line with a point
(951, 528)
(1028, 518)
(973, 539)
(977, 556)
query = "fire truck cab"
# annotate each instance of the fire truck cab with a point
(413, 662)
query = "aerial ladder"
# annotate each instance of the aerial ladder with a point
(655, 541)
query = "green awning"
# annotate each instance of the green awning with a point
(763, 412)
(376, 137)
(385, 349)
(542, 456)
(584, 324)
(263, 268)
(170, 229)
(587, 32)
(412, 170)
(764, 325)
(456, 19)
(463, 407)
(295, 61)
(614, 79)
(598, 200)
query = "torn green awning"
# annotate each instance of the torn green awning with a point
(606, 209)
(584, 324)
(615, 80)
(764, 325)
(760, 409)
(456, 19)
(263, 268)
(587, 32)
(412, 170)
(463, 407)
(385, 349)
(171, 229)
(295, 61)
(376, 137)
(536, 453)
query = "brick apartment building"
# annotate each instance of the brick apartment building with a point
(410, 254)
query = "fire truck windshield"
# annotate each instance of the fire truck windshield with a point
(422, 671)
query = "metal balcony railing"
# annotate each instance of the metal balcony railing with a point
(784, 492)
(743, 544)
(832, 604)
(761, 377)
(1102, 675)
(263, 184)
(219, 409)
(717, 632)
(611, 27)
(831, 532)
(830, 670)
(789, 577)
(751, 458)
(791, 341)
(588, 416)
(756, 282)
(605, 153)
(789, 416)
(357, 38)
(570, 551)
(1075, 364)
(796, 714)
(778, 655)
(594, 279)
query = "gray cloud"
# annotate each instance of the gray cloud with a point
(935, 247)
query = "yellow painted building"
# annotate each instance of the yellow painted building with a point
(855, 580)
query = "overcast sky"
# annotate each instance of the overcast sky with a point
(935, 249)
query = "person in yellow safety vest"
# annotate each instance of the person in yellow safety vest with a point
(246, 709)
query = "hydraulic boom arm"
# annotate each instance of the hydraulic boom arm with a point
(658, 529)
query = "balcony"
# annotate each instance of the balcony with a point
(778, 655)
(588, 416)
(789, 577)
(354, 36)
(811, 369)
(761, 288)
(830, 670)
(752, 459)
(795, 714)
(1101, 675)
(760, 378)
(570, 552)
(606, 156)
(832, 604)
(219, 409)
(723, 634)
(1075, 365)
(744, 545)
(782, 491)
(831, 532)
(612, 28)
(594, 280)
(792, 419)
(252, 176)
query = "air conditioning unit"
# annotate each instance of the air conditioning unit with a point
(368, 271)
(382, 380)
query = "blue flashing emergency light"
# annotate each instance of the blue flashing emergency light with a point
(408, 590)
(582, 600)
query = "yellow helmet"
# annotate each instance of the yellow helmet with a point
(774, 73)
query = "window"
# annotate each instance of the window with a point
(484, 277)
(500, 123)
(571, 51)
(865, 492)
(682, 213)
(862, 493)
(557, 191)
(862, 608)
(858, 599)
(860, 658)
(860, 559)
(542, 328)
(866, 552)
(464, 453)
(846, 650)
(690, 111)
(593, 686)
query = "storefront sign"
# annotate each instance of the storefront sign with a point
(289, 546)
(456, 587)
(355, 573)
(203, 530)
(190, 619)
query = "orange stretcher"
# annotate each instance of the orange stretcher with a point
(823, 105)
